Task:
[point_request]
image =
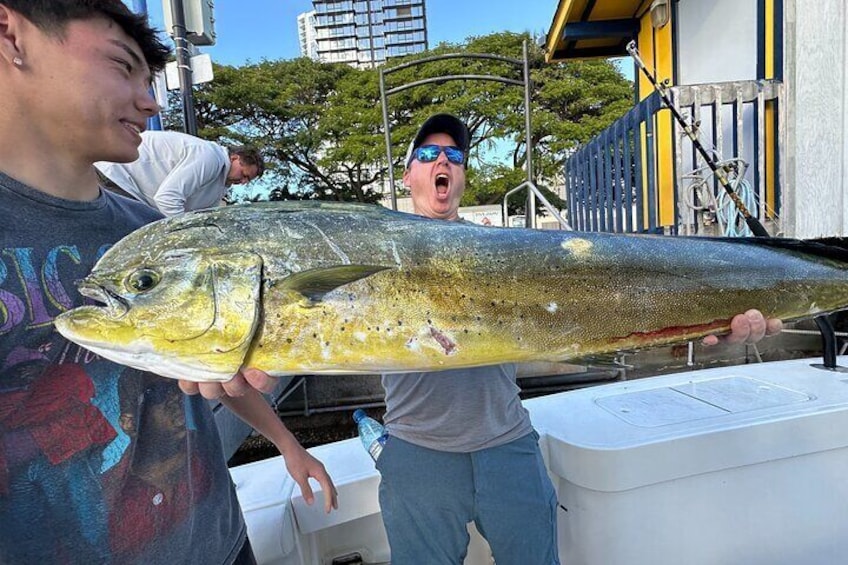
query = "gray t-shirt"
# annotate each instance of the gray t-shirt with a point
(461, 410)
(99, 463)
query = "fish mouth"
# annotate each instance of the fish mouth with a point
(116, 305)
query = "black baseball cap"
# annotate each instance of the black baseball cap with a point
(441, 123)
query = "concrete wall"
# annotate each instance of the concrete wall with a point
(816, 116)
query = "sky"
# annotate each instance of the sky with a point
(252, 30)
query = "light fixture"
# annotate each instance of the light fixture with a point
(660, 13)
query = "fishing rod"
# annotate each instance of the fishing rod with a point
(755, 226)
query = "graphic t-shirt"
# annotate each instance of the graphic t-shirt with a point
(99, 463)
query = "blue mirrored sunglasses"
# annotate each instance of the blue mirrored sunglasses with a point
(429, 153)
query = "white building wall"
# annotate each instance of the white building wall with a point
(307, 36)
(816, 117)
(717, 40)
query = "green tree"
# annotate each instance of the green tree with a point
(321, 126)
(294, 110)
(570, 103)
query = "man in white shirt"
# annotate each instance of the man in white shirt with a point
(177, 172)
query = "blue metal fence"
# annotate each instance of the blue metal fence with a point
(604, 178)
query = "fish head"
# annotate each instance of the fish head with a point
(185, 314)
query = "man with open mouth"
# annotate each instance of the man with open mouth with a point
(461, 447)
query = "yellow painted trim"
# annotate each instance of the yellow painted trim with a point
(770, 142)
(667, 215)
(769, 39)
(663, 59)
(646, 50)
(645, 42)
(770, 134)
(663, 52)
(557, 27)
(643, 135)
(614, 10)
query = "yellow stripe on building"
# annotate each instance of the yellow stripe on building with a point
(656, 49)
(664, 50)
(770, 142)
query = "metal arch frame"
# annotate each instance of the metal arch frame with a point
(521, 63)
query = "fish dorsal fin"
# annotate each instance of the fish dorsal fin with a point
(315, 283)
(835, 248)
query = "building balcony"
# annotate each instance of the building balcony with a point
(643, 174)
(333, 7)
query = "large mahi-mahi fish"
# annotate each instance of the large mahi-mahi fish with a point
(340, 288)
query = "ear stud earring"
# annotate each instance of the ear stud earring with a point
(18, 61)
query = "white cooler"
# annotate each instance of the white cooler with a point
(735, 466)
(284, 530)
(356, 527)
(264, 490)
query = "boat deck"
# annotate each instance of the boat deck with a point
(725, 465)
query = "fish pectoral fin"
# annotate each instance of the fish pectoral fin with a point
(313, 284)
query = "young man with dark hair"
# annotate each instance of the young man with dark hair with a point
(176, 172)
(99, 463)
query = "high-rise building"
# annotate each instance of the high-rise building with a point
(306, 34)
(365, 33)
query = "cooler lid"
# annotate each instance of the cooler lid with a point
(634, 433)
(696, 400)
(263, 483)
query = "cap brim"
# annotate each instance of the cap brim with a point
(444, 123)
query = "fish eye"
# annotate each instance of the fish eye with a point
(142, 280)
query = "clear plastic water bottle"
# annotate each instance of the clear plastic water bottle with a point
(371, 432)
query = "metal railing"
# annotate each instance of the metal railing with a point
(612, 181)
(603, 179)
(534, 193)
(521, 65)
(732, 118)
